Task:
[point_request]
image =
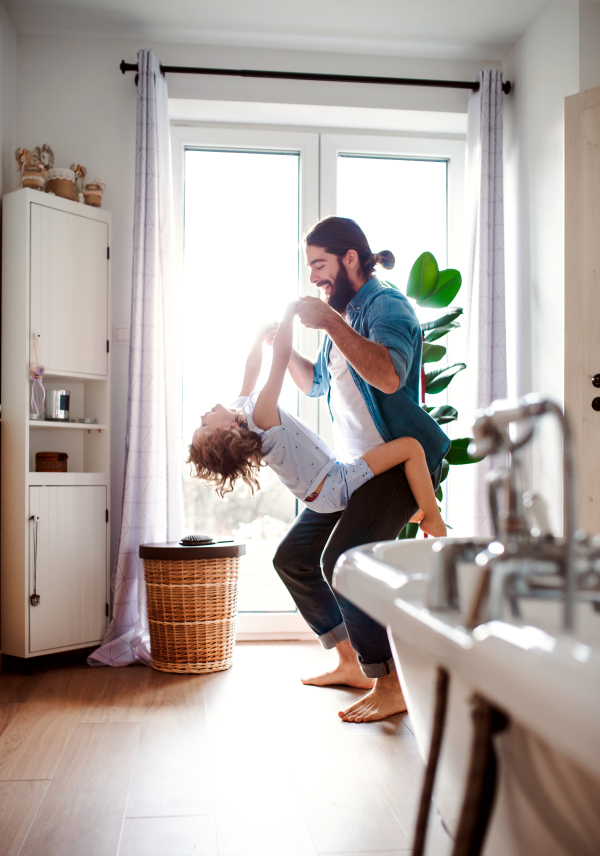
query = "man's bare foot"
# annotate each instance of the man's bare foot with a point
(433, 525)
(347, 673)
(385, 699)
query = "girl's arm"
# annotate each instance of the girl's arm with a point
(253, 363)
(266, 414)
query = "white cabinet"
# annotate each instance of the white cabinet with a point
(55, 285)
(67, 565)
(69, 290)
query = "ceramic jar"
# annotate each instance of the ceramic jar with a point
(93, 193)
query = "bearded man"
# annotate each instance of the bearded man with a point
(369, 367)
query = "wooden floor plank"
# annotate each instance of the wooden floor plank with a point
(19, 801)
(117, 694)
(396, 769)
(15, 689)
(159, 836)
(172, 771)
(83, 809)
(343, 807)
(34, 740)
(7, 713)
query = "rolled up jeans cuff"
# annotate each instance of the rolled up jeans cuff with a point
(334, 636)
(378, 670)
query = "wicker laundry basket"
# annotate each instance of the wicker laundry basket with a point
(192, 605)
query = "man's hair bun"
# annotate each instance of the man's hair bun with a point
(385, 258)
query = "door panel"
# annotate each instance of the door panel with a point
(71, 566)
(69, 281)
(582, 295)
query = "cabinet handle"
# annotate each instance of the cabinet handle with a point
(35, 598)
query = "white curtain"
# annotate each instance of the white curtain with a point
(485, 263)
(152, 485)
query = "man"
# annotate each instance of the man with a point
(369, 366)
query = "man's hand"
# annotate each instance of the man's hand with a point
(316, 314)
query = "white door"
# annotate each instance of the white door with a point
(67, 566)
(582, 297)
(69, 291)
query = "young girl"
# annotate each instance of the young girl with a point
(231, 443)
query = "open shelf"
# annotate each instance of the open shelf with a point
(90, 426)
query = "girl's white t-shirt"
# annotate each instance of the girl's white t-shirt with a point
(354, 431)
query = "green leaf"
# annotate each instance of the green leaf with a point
(432, 353)
(448, 318)
(457, 453)
(445, 470)
(446, 289)
(439, 494)
(438, 379)
(410, 531)
(444, 414)
(423, 278)
(389, 284)
(439, 332)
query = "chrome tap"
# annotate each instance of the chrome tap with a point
(529, 554)
(523, 559)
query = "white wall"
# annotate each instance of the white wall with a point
(8, 83)
(544, 66)
(72, 95)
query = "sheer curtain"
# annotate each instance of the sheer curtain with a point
(485, 263)
(152, 486)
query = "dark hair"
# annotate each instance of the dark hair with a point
(337, 235)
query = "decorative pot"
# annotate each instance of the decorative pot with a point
(33, 176)
(93, 193)
(61, 182)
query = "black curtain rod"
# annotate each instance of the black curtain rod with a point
(335, 78)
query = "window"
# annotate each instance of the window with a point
(244, 199)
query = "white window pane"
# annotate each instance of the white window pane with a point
(401, 205)
(241, 268)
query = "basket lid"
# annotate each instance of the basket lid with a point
(175, 551)
(60, 456)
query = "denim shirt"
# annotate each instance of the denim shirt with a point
(384, 315)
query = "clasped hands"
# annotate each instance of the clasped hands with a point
(311, 311)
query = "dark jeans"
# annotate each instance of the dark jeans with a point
(305, 559)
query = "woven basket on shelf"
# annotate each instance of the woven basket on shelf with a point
(51, 462)
(192, 605)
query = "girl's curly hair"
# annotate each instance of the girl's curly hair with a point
(223, 456)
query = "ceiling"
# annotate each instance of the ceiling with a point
(444, 29)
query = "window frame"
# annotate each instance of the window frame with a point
(318, 189)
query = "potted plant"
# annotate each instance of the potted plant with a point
(431, 288)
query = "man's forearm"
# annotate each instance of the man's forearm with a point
(302, 371)
(370, 360)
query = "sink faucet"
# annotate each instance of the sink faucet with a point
(521, 560)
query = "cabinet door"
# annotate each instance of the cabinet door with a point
(69, 290)
(71, 566)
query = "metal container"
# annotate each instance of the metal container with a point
(57, 405)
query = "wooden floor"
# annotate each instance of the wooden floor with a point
(248, 762)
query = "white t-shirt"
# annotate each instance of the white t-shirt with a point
(354, 431)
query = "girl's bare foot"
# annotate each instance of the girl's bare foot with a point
(433, 525)
(347, 673)
(385, 699)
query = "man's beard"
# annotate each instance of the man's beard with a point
(343, 292)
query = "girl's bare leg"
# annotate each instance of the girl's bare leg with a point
(408, 451)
